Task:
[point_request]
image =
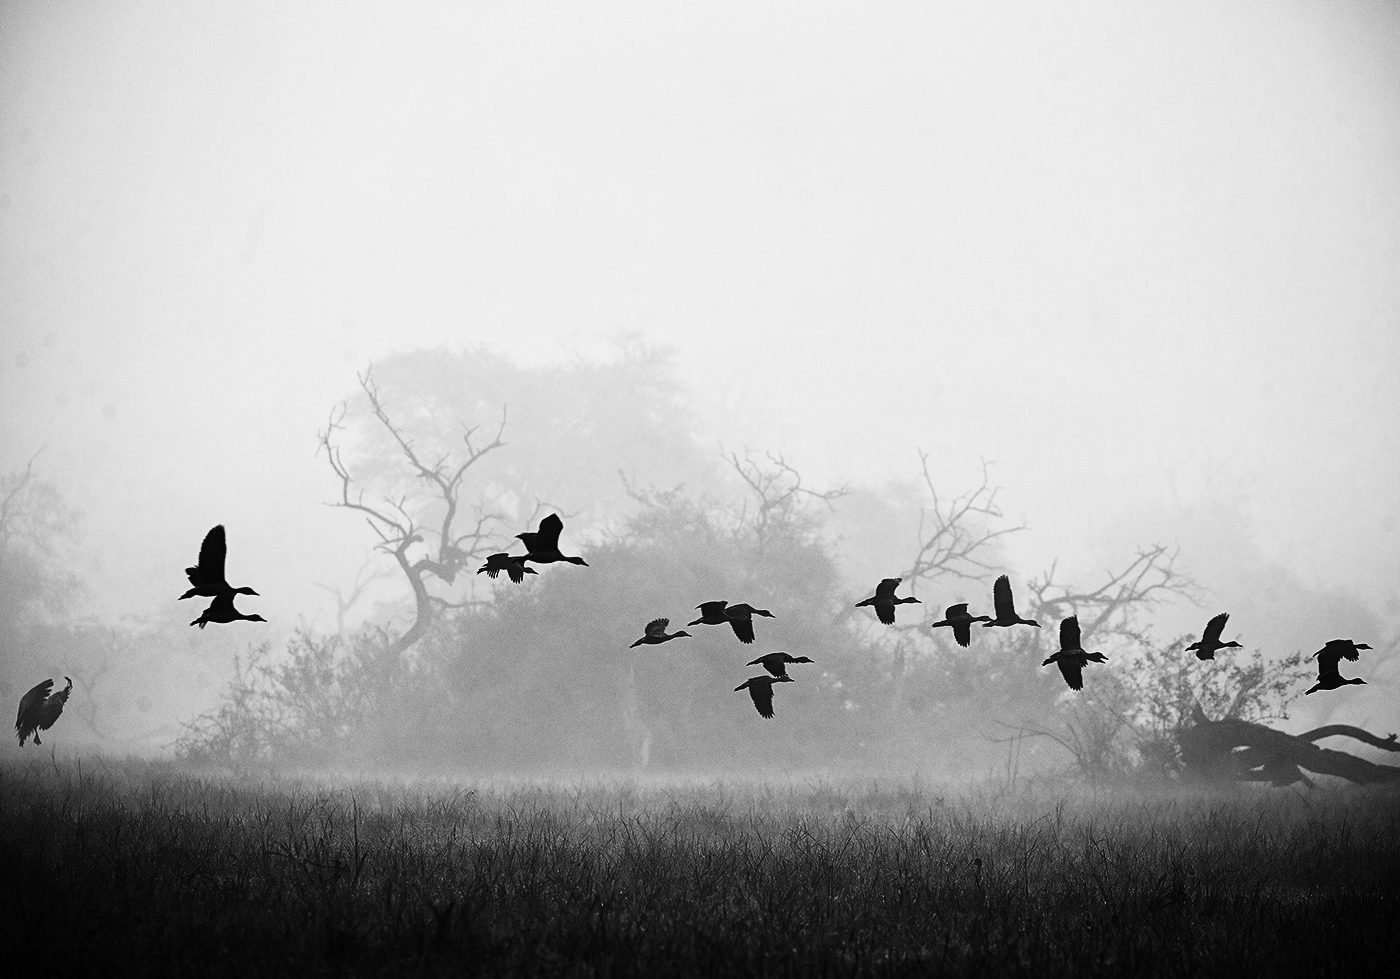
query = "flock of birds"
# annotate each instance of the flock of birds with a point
(40, 707)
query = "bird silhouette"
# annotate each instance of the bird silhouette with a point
(761, 690)
(1005, 607)
(956, 617)
(207, 577)
(884, 600)
(776, 663)
(513, 565)
(1071, 658)
(38, 709)
(656, 634)
(1209, 642)
(221, 610)
(542, 546)
(1328, 676)
(741, 619)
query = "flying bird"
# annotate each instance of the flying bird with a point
(513, 565)
(776, 663)
(1006, 607)
(1328, 676)
(711, 613)
(741, 619)
(207, 577)
(957, 618)
(221, 610)
(761, 690)
(1071, 658)
(656, 634)
(542, 546)
(38, 709)
(1209, 642)
(884, 600)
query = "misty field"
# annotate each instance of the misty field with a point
(150, 869)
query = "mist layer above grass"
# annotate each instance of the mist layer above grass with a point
(153, 871)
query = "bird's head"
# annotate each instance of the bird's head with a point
(245, 590)
(1048, 661)
(577, 560)
(677, 635)
(1357, 680)
(255, 617)
(803, 659)
(1362, 645)
(763, 612)
(696, 622)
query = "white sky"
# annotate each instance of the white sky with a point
(1122, 249)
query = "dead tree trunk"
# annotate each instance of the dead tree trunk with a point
(1232, 750)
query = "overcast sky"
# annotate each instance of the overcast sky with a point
(1134, 253)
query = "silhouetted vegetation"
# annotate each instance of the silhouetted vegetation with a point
(150, 870)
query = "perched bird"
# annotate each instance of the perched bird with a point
(1209, 642)
(776, 663)
(513, 565)
(761, 690)
(656, 634)
(741, 619)
(207, 577)
(1005, 607)
(38, 709)
(1071, 658)
(221, 610)
(1328, 676)
(957, 618)
(884, 600)
(542, 546)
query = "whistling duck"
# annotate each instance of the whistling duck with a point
(884, 600)
(1210, 639)
(957, 618)
(761, 690)
(656, 634)
(38, 709)
(1005, 607)
(221, 610)
(513, 565)
(543, 545)
(1328, 676)
(776, 663)
(207, 577)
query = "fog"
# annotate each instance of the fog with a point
(1145, 261)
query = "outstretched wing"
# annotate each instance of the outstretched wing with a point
(1343, 648)
(711, 609)
(958, 610)
(52, 707)
(1073, 672)
(212, 554)
(29, 705)
(550, 529)
(885, 589)
(962, 632)
(743, 628)
(1214, 628)
(762, 694)
(1001, 598)
(884, 610)
(1327, 658)
(1069, 633)
(657, 627)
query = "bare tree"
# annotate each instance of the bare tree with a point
(1113, 607)
(956, 534)
(780, 492)
(395, 519)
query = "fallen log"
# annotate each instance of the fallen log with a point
(1233, 750)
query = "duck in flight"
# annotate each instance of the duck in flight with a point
(1328, 676)
(739, 617)
(207, 577)
(38, 709)
(542, 546)
(761, 690)
(511, 564)
(1005, 607)
(221, 610)
(776, 663)
(957, 618)
(656, 634)
(1071, 659)
(884, 600)
(1209, 642)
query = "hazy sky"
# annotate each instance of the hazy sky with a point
(1131, 252)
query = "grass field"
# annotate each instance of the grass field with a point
(147, 869)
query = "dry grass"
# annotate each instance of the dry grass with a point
(152, 870)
